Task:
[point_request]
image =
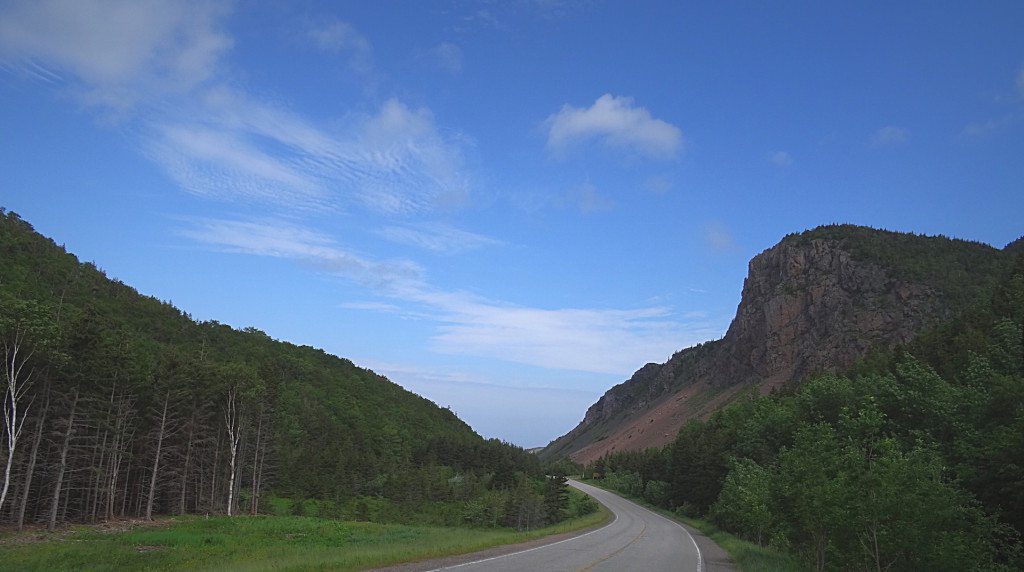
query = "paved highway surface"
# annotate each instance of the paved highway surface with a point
(637, 540)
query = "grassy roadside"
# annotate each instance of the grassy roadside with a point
(259, 543)
(748, 556)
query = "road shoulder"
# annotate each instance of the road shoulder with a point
(495, 552)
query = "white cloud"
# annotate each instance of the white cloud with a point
(596, 340)
(718, 237)
(122, 51)
(981, 129)
(617, 122)
(659, 185)
(279, 239)
(446, 56)
(607, 341)
(588, 199)
(158, 62)
(233, 147)
(437, 237)
(339, 37)
(782, 159)
(224, 164)
(890, 135)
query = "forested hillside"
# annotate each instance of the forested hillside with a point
(817, 301)
(117, 404)
(912, 459)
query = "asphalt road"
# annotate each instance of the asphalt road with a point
(636, 540)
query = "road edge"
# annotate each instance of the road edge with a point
(465, 558)
(714, 558)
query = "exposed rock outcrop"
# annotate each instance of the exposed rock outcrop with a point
(813, 303)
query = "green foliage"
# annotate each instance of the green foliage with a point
(913, 460)
(259, 543)
(337, 438)
(745, 503)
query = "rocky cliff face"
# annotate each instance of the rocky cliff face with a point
(808, 305)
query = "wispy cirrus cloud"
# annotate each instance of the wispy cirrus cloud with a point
(588, 199)
(616, 122)
(159, 64)
(718, 237)
(339, 37)
(890, 135)
(281, 239)
(118, 53)
(437, 237)
(781, 159)
(445, 56)
(595, 340)
(394, 162)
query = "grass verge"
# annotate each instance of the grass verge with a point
(260, 543)
(747, 556)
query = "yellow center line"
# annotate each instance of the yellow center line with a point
(590, 566)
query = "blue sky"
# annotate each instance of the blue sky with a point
(507, 207)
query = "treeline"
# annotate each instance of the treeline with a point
(119, 405)
(912, 461)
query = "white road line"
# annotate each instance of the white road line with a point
(528, 549)
(700, 560)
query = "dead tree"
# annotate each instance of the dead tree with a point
(156, 458)
(33, 455)
(62, 467)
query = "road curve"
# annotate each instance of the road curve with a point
(636, 540)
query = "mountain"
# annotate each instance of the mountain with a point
(128, 406)
(818, 301)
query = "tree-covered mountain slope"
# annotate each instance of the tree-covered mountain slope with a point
(818, 301)
(120, 404)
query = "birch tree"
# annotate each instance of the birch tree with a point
(243, 387)
(25, 328)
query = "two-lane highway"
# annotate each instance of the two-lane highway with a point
(637, 540)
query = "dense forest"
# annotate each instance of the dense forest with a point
(119, 405)
(912, 460)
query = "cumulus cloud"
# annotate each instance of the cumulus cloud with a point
(617, 122)
(890, 135)
(782, 159)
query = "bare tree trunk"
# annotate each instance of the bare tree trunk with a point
(188, 458)
(232, 419)
(32, 456)
(97, 485)
(63, 464)
(156, 460)
(17, 381)
(255, 467)
(213, 473)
